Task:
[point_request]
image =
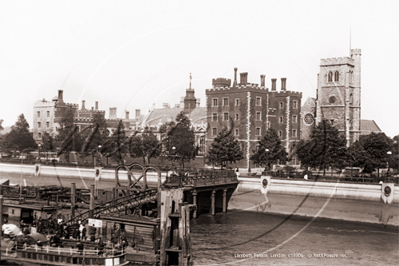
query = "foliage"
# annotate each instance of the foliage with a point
(377, 146)
(48, 142)
(179, 140)
(224, 149)
(117, 144)
(65, 138)
(19, 138)
(326, 148)
(145, 145)
(1, 125)
(394, 158)
(276, 151)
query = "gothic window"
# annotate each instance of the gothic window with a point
(294, 132)
(214, 131)
(308, 119)
(336, 76)
(295, 104)
(330, 76)
(225, 101)
(236, 132)
(225, 116)
(39, 124)
(258, 101)
(258, 132)
(258, 116)
(38, 113)
(48, 113)
(294, 119)
(214, 117)
(280, 133)
(215, 102)
(281, 105)
(280, 119)
(268, 124)
(237, 117)
(237, 102)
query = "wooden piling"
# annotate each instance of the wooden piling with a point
(73, 197)
(91, 211)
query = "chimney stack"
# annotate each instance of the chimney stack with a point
(243, 78)
(262, 80)
(112, 113)
(127, 114)
(60, 92)
(283, 82)
(83, 105)
(274, 84)
(198, 102)
(235, 77)
(137, 113)
(96, 105)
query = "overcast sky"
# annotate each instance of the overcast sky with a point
(131, 54)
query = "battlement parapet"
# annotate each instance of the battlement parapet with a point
(337, 61)
(356, 51)
(288, 93)
(43, 103)
(83, 119)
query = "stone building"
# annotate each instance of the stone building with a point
(249, 110)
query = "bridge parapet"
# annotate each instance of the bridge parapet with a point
(201, 178)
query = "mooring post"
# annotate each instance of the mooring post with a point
(73, 197)
(91, 212)
(213, 202)
(224, 201)
(195, 204)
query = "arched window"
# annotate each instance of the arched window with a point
(336, 76)
(330, 74)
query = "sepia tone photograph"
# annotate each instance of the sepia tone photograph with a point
(199, 132)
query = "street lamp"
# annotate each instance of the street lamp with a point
(39, 145)
(267, 159)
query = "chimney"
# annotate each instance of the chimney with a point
(198, 102)
(243, 78)
(283, 81)
(177, 105)
(96, 105)
(92, 108)
(83, 105)
(262, 80)
(235, 77)
(274, 84)
(127, 114)
(112, 113)
(165, 105)
(137, 113)
(60, 92)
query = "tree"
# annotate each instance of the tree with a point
(377, 146)
(117, 144)
(180, 140)
(225, 148)
(359, 157)
(19, 138)
(145, 145)
(394, 157)
(276, 151)
(1, 125)
(68, 139)
(325, 148)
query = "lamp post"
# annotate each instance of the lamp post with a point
(389, 153)
(267, 160)
(39, 145)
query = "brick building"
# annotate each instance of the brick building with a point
(248, 110)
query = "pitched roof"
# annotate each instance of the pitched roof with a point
(160, 116)
(368, 126)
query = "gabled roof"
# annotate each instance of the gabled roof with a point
(368, 126)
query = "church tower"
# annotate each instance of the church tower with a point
(190, 102)
(338, 94)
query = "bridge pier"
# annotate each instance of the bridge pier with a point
(224, 201)
(194, 193)
(213, 202)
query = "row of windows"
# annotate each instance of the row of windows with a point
(39, 124)
(258, 102)
(330, 76)
(258, 132)
(258, 117)
(38, 113)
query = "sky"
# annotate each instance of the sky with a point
(133, 54)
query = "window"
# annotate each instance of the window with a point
(38, 113)
(258, 101)
(332, 122)
(332, 99)
(214, 102)
(39, 125)
(225, 116)
(280, 133)
(48, 113)
(336, 76)
(237, 102)
(47, 124)
(268, 124)
(40, 135)
(237, 117)
(236, 132)
(214, 117)
(294, 132)
(258, 116)
(257, 132)
(308, 119)
(294, 119)
(280, 120)
(214, 131)
(281, 105)
(295, 104)
(330, 75)
(225, 101)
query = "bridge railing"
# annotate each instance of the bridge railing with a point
(201, 178)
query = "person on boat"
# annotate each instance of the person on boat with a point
(80, 247)
(100, 246)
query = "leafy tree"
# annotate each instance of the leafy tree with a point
(275, 152)
(224, 149)
(180, 140)
(1, 125)
(377, 146)
(145, 145)
(117, 144)
(19, 138)
(68, 139)
(325, 148)
(359, 157)
(394, 157)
